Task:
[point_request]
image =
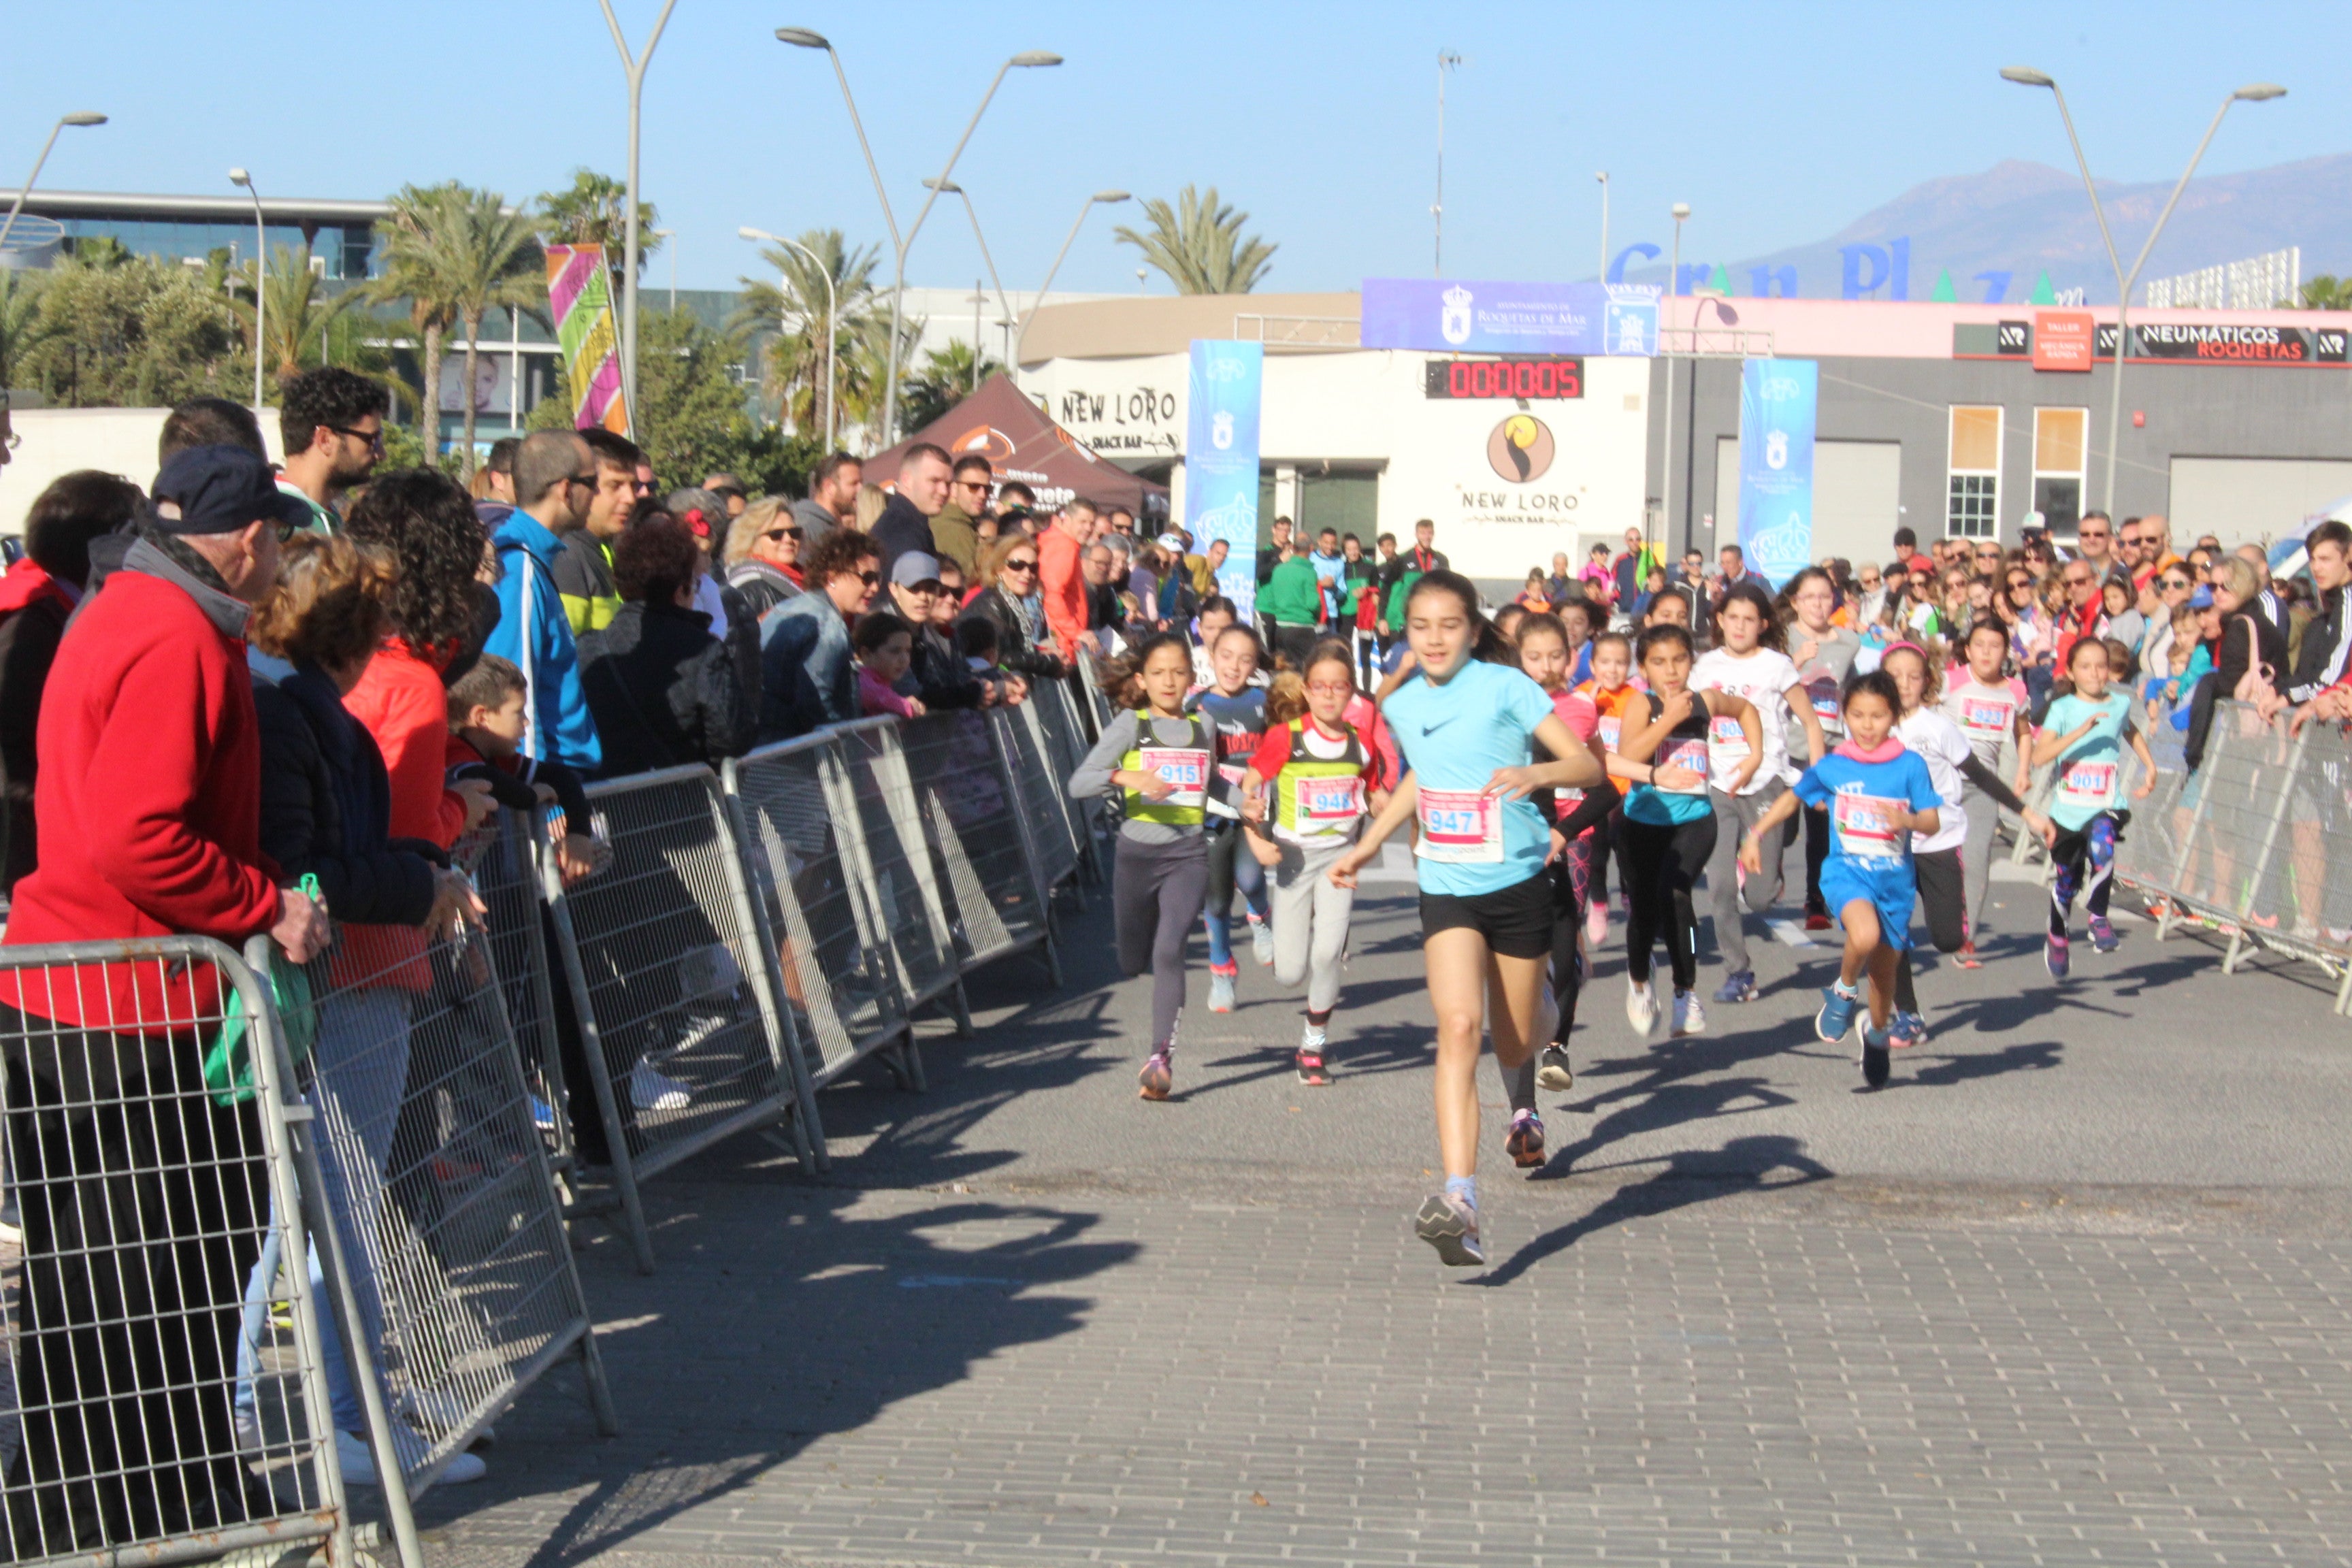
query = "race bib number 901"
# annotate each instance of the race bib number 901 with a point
(1460, 828)
(2089, 786)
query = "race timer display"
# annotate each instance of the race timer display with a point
(1549, 376)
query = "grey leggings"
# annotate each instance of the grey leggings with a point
(1735, 817)
(1310, 922)
(1156, 893)
(1976, 855)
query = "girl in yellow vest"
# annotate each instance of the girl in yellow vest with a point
(1325, 776)
(1161, 760)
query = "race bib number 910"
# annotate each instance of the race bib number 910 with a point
(1460, 828)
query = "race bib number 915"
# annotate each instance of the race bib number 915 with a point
(1187, 770)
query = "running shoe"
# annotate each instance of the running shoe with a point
(1905, 1030)
(1261, 941)
(1641, 1008)
(1221, 988)
(1836, 1016)
(1526, 1143)
(2054, 956)
(1690, 1019)
(1817, 921)
(1738, 987)
(1596, 921)
(1875, 1062)
(1312, 1068)
(1966, 957)
(1552, 1071)
(1158, 1075)
(543, 1115)
(1451, 1226)
(651, 1089)
(2103, 934)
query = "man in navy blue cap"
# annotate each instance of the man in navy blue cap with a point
(140, 1198)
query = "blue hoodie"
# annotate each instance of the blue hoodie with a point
(533, 632)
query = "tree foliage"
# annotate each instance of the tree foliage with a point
(1198, 243)
(296, 314)
(2327, 292)
(105, 328)
(596, 211)
(795, 306)
(949, 376)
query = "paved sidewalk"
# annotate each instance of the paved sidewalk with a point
(2071, 1290)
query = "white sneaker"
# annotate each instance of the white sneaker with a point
(1690, 1019)
(1262, 941)
(357, 1461)
(650, 1089)
(1311, 1039)
(1641, 1008)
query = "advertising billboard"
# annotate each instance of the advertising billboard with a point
(1440, 314)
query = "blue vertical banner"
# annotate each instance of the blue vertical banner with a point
(1221, 461)
(1779, 399)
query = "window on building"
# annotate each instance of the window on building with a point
(2059, 451)
(1346, 502)
(1973, 507)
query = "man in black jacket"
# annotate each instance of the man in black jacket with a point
(663, 689)
(924, 475)
(2319, 660)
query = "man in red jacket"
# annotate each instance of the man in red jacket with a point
(1062, 581)
(140, 1196)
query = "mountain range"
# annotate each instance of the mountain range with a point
(2024, 218)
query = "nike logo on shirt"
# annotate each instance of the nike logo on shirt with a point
(1433, 728)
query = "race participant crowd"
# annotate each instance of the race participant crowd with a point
(246, 699)
(1689, 727)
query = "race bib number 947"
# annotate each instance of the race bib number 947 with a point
(1460, 828)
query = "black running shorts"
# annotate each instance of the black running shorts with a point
(1516, 921)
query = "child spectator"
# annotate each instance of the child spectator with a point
(885, 646)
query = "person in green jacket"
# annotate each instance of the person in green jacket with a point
(1293, 601)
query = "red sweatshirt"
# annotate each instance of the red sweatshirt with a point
(1064, 589)
(150, 795)
(402, 703)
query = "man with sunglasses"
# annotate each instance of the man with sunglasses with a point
(953, 529)
(331, 421)
(2095, 543)
(555, 484)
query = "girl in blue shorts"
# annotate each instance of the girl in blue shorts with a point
(1878, 794)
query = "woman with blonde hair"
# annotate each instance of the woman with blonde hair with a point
(760, 555)
(871, 500)
(1010, 598)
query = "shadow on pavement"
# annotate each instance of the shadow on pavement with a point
(1691, 1176)
(757, 1337)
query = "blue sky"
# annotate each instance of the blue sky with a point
(1777, 124)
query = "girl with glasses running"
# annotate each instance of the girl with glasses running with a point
(1467, 723)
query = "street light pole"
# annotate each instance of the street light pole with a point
(1666, 477)
(83, 118)
(2025, 75)
(802, 38)
(1108, 199)
(260, 277)
(832, 317)
(949, 188)
(634, 64)
(1447, 58)
(1603, 177)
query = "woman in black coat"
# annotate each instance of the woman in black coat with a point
(1012, 601)
(663, 690)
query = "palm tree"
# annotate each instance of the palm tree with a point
(795, 310)
(296, 309)
(493, 262)
(863, 367)
(2327, 292)
(1199, 244)
(414, 242)
(21, 326)
(595, 210)
(949, 376)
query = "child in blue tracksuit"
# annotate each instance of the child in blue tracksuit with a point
(1879, 794)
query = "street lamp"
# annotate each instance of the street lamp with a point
(804, 38)
(1446, 60)
(670, 233)
(1603, 177)
(2024, 75)
(831, 321)
(261, 278)
(635, 65)
(948, 187)
(84, 118)
(1106, 198)
(1674, 288)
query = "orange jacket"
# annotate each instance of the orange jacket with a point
(403, 705)
(1064, 588)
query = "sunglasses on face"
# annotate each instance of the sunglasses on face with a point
(870, 578)
(375, 438)
(2020, 585)
(2074, 582)
(774, 534)
(2180, 583)
(1032, 566)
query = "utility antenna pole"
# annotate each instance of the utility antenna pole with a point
(1446, 60)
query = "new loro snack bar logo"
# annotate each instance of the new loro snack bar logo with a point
(1521, 448)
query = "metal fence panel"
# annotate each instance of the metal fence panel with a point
(507, 874)
(663, 951)
(895, 866)
(146, 1205)
(435, 1178)
(970, 818)
(1043, 791)
(833, 962)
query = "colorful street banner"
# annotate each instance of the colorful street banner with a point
(1221, 462)
(580, 297)
(1779, 399)
(1441, 315)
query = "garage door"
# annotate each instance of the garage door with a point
(2252, 500)
(1857, 499)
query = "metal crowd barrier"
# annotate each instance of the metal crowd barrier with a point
(1048, 825)
(895, 869)
(1067, 743)
(685, 1042)
(2255, 845)
(972, 824)
(435, 1178)
(507, 874)
(146, 1203)
(799, 829)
